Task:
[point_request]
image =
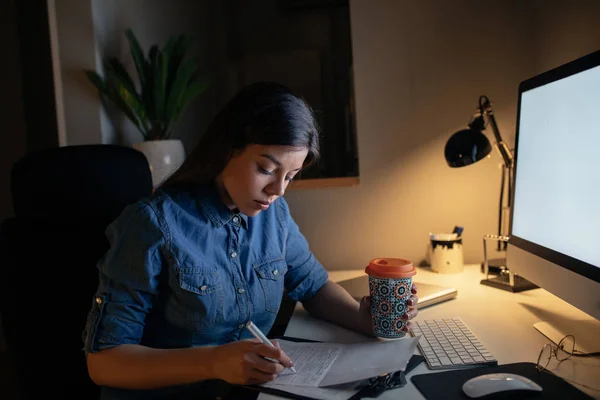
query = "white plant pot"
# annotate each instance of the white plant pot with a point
(164, 157)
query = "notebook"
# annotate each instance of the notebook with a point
(429, 294)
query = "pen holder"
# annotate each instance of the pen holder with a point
(446, 255)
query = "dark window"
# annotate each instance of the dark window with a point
(307, 46)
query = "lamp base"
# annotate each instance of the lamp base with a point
(502, 282)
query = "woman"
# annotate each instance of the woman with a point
(213, 248)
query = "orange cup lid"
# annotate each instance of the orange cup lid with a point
(390, 268)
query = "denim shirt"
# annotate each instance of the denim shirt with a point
(184, 270)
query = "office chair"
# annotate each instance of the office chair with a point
(63, 199)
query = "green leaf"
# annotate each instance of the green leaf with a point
(143, 69)
(138, 55)
(180, 47)
(117, 68)
(149, 90)
(184, 74)
(120, 79)
(122, 105)
(166, 84)
(134, 105)
(167, 50)
(160, 89)
(191, 92)
(97, 80)
(113, 94)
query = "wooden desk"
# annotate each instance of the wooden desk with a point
(503, 321)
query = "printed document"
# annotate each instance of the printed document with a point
(327, 364)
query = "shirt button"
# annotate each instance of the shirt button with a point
(241, 290)
(241, 326)
(276, 272)
(98, 300)
(236, 219)
(233, 254)
(203, 288)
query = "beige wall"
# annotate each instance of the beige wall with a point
(420, 67)
(565, 31)
(79, 114)
(419, 70)
(418, 77)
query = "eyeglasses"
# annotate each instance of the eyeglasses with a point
(563, 351)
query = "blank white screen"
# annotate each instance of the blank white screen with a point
(557, 186)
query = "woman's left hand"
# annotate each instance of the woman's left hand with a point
(365, 312)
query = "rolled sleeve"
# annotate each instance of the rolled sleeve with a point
(128, 279)
(305, 274)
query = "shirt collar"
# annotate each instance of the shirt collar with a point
(211, 205)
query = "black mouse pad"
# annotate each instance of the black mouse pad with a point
(447, 385)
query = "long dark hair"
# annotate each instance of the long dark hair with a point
(265, 113)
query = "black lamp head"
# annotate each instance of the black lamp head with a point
(467, 146)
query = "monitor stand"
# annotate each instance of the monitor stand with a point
(509, 281)
(586, 333)
(506, 279)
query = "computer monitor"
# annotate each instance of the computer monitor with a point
(554, 236)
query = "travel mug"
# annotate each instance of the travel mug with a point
(390, 283)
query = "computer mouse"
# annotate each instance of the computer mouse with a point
(490, 384)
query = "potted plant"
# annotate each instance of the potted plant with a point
(166, 84)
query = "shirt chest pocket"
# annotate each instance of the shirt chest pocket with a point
(200, 296)
(271, 275)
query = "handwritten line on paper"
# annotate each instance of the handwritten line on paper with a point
(327, 364)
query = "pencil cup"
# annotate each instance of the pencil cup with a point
(390, 283)
(446, 255)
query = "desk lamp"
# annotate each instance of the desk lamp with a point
(468, 146)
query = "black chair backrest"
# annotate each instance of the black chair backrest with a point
(70, 182)
(63, 200)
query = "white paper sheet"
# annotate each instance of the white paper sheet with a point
(321, 365)
(336, 392)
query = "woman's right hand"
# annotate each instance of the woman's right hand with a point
(243, 362)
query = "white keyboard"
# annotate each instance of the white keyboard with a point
(448, 343)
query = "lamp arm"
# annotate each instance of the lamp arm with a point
(486, 109)
(505, 152)
(506, 191)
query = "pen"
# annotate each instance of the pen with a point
(458, 230)
(261, 336)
